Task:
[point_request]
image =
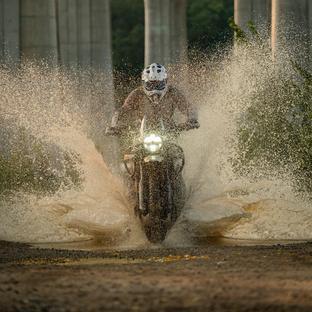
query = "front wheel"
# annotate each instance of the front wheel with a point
(155, 229)
(157, 221)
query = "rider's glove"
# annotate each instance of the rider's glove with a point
(192, 124)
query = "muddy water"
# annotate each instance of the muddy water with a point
(47, 104)
(94, 245)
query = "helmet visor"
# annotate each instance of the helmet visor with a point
(154, 85)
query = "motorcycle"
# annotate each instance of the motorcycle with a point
(155, 165)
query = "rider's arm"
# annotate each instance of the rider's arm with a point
(121, 117)
(186, 108)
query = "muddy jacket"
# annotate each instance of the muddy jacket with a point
(138, 104)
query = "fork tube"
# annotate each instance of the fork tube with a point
(141, 189)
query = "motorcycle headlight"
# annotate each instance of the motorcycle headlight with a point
(153, 143)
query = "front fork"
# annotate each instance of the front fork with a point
(142, 207)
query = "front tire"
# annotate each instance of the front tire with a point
(157, 222)
(155, 229)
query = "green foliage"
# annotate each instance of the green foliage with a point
(206, 22)
(276, 130)
(30, 166)
(240, 35)
(128, 35)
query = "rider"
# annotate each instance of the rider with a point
(156, 97)
(159, 100)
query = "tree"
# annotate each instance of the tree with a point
(207, 24)
(274, 133)
(207, 27)
(128, 36)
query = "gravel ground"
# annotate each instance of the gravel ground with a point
(210, 278)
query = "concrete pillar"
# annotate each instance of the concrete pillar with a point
(101, 56)
(257, 11)
(74, 27)
(84, 33)
(9, 31)
(85, 36)
(67, 32)
(310, 32)
(178, 31)
(38, 32)
(85, 43)
(101, 51)
(290, 30)
(157, 31)
(165, 31)
(101, 63)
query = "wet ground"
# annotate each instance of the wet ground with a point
(214, 277)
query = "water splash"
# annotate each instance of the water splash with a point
(262, 205)
(53, 108)
(68, 112)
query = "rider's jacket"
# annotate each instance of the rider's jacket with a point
(138, 104)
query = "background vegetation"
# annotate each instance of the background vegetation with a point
(31, 166)
(207, 22)
(275, 133)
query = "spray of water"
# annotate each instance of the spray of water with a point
(61, 113)
(261, 204)
(66, 113)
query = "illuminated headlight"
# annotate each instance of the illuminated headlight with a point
(153, 143)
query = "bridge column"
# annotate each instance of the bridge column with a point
(38, 31)
(291, 31)
(9, 31)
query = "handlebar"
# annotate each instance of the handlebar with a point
(182, 127)
(117, 131)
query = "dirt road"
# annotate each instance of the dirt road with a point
(211, 278)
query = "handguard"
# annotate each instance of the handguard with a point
(189, 125)
(112, 131)
(192, 124)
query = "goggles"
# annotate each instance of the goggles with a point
(154, 85)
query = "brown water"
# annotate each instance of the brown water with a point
(63, 110)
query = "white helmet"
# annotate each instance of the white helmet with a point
(154, 78)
